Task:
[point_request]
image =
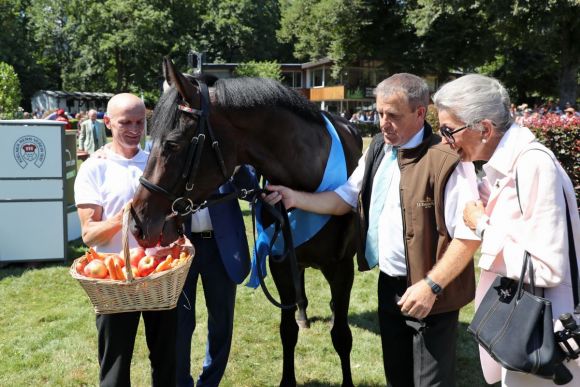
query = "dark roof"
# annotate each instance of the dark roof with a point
(231, 66)
(320, 62)
(75, 94)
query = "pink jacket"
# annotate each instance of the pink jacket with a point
(541, 230)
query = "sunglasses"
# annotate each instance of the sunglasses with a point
(448, 133)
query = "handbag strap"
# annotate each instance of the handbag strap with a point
(573, 261)
(529, 267)
(574, 275)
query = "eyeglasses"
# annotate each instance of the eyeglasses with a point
(448, 133)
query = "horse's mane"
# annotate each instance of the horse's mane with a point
(236, 93)
(249, 93)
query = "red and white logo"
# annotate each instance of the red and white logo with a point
(29, 149)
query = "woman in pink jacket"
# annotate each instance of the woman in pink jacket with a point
(475, 121)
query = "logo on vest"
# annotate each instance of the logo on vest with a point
(29, 149)
(427, 203)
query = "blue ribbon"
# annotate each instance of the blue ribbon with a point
(304, 225)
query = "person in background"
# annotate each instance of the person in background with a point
(61, 116)
(475, 121)
(92, 134)
(102, 188)
(409, 191)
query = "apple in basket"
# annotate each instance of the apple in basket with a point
(80, 266)
(135, 255)
(146, 265)
(96, 269)
(134, 270)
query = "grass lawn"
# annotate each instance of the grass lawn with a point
(48, 334)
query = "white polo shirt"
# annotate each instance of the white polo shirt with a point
(110, 183)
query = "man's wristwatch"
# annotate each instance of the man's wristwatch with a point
(435, 287)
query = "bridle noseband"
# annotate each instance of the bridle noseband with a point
(181, 204)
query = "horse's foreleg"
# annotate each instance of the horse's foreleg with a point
(340, 277)
(288, 326)
(301, 316)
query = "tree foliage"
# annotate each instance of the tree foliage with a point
(532, 46)
(264, 69)
(117, 45)
(236, 30)
(9, 91)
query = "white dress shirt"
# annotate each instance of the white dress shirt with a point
(201, 221)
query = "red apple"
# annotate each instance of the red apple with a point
(134, 270)
(146, 265)
(80, 266)
(96, 269)
(135, 255)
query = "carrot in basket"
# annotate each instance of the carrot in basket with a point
(92, 254)
(119, 271)
(111, 267)
(165, 265)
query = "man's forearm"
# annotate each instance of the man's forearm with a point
(322, 203)
(101, 232)
(458, 255)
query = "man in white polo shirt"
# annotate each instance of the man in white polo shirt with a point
(102, 188)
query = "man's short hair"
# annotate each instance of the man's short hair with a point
(412, 87)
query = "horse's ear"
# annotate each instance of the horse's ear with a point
(174, 78)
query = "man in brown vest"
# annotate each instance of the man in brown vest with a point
(409, 192)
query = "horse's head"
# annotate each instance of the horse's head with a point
(184, 166)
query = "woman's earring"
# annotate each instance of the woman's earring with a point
(483, 141)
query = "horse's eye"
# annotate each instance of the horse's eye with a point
(171, 146)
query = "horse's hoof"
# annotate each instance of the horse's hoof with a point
(286, 383)
(303, 324)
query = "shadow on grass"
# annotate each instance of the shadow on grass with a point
(368, 321)
(468, 368)
(314, 383)
(16, 269)
(76, 248)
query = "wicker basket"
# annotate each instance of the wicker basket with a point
(158, 291)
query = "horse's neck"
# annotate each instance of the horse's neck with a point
(287, 150)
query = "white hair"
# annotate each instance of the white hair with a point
(474, 98)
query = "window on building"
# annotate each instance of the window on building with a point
(317, 78)
(292, 79)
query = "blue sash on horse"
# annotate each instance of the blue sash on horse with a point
(304, 225)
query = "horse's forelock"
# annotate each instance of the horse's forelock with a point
(165, 114)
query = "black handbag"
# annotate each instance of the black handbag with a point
(515, 326)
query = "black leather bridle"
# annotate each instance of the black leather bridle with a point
(181, 204)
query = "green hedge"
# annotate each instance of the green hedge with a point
(564, 140)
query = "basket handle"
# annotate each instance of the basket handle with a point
(125, 241)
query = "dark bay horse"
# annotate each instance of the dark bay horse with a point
(261, 123)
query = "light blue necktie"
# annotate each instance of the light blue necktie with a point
(381, 184)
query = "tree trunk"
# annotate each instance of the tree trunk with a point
(568, 84)
(569, 57)
(119, 67)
